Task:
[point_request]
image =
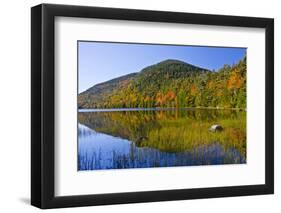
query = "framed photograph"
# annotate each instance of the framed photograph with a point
(139, 106)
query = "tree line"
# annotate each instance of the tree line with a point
(176, 85)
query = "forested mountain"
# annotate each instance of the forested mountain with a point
(171, 83)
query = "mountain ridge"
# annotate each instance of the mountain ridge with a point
(167, 61)
(169, 83)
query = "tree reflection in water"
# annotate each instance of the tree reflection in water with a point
(159, 138)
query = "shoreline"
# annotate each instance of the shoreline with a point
(155, 109)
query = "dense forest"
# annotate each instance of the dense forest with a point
(171, 83)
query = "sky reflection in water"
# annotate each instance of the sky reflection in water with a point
(106, 140)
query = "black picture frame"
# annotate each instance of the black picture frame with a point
(43, 110)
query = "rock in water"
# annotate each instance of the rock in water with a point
(216, 128)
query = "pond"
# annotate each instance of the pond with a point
(145, 138)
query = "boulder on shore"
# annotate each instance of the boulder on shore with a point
(216, 128)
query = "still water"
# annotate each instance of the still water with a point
(144, 138)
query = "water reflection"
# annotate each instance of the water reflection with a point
(159, 138)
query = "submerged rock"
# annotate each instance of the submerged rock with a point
(216, 128)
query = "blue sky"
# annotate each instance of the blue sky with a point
(99, 61)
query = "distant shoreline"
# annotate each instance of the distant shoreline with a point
(156, 109)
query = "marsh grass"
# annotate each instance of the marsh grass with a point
(184, 134)
(173, 130)
(143, 157)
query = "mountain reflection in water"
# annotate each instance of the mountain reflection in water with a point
(159, 138)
